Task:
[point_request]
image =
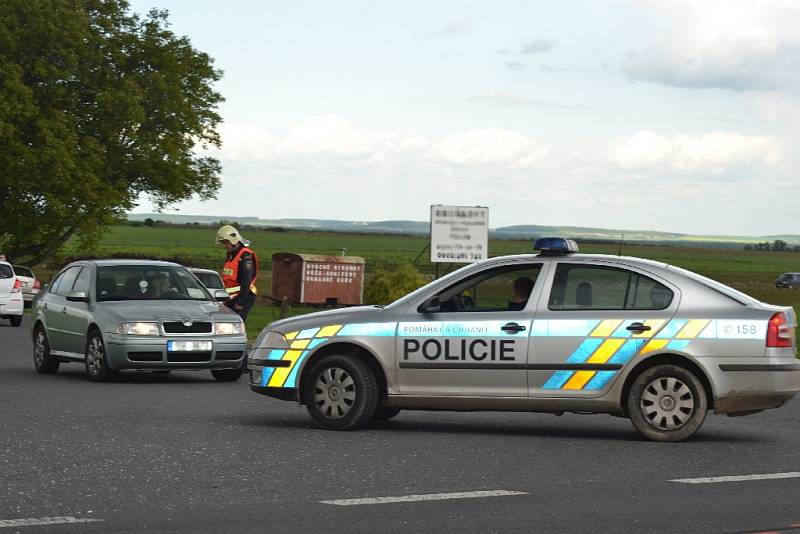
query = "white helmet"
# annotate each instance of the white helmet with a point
(228, 233)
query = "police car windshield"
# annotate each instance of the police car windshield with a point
(735, 294)
(148, 282)
(419, 292)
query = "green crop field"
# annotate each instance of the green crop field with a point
(750, 271)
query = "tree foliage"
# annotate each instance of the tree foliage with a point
(97, 106)
(388, 285)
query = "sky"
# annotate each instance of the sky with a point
(678, 115)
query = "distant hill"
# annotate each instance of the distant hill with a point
(505, 232)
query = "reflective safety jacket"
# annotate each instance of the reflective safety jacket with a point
(230, 273)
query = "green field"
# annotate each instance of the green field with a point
(750, 271)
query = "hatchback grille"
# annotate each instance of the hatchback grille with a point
(182, 357)
(229, 355)
(178, 327)
(145, 356)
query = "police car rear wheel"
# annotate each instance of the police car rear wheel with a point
(341, 393)
(667, 403)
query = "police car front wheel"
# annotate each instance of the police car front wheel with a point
(667, 403)
(341, 393)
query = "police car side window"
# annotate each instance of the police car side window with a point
(502, 289)
(595, 287)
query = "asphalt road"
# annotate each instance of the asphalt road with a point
(183, 453)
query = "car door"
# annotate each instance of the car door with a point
(476, 344)
(592, 319)
(7, 280)
(75, 321)
(55, 309)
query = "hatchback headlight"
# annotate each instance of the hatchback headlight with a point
(138, 329)
(228, 329)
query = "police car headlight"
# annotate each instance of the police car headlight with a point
(138, 329)
(272, 340)
(228, 329)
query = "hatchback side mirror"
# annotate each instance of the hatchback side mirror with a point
(221, 295)
(77, 296)
(431, 305)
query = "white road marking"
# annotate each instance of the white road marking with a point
(39, 521)
(425, 497)
(739, 478)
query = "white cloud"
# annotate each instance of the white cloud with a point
(723, 44)
(710, 154)
(491, 146)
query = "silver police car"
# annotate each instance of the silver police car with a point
(112, 315)
(553, 332)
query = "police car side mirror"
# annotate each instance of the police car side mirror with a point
(220, 295)
(431, 305)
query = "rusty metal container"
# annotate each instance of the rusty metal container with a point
(312, 279)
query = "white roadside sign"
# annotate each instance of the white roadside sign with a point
(459, 234)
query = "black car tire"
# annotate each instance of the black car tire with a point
(42, 360)
(341, 393)
(16, 320)
(384, 413)
(667, 403)
(96, 361)
(227, 375)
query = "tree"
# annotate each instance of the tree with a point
(388, 285)
(779, 245)
(97, 106)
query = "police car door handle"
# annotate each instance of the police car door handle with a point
(638, 327)
(512, 328)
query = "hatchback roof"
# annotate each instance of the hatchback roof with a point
(118, 262)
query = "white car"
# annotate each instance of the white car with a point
(11, 304)
(30, 284)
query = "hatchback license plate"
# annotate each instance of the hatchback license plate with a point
(188, 346)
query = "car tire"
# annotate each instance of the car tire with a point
(96, 361)
(667, 403)
(341, 393)
(16, 320)
(42, 360)
(384, 413)
(226, 375)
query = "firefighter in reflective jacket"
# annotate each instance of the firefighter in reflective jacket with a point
(240, 271)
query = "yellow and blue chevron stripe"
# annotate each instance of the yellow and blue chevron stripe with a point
(303, 342)
(607, 344)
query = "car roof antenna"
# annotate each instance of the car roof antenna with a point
(619, 248)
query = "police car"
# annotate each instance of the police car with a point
(553, 332)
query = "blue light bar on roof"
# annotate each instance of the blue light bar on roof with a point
(555, 245)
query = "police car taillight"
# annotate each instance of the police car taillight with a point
(555, 246)
(779, 331)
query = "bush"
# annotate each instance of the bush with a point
(388, 285)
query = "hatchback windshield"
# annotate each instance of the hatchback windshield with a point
(147, 282)
(5, 271)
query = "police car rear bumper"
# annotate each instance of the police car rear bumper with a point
(749, 386)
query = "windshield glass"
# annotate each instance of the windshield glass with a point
(5, 271)
(210, 280)
(23, 271)
(148, 282)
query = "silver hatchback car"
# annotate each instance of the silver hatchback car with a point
(554, 332)
(112, 315)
